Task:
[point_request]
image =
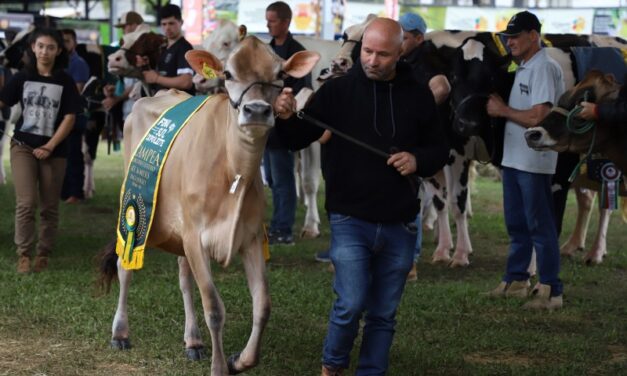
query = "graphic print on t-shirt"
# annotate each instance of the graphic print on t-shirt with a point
(41, 106)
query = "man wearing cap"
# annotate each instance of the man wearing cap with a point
(129, 21)
(416, 54)
(173, 71)
(527, 173)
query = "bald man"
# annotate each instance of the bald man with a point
(370, 200)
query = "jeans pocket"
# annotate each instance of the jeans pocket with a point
(335, 218)
(411, 228)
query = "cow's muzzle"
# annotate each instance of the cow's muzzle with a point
(256, 114)
(538, 138)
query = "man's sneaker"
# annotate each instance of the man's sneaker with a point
(323, 256)
(515, 289)
(281, 239)
(543, 300)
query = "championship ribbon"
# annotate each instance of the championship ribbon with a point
(138, 196)
(610, 180)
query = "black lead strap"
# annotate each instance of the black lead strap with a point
(318, 123)
(414, 180)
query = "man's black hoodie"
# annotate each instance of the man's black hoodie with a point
(395, 115)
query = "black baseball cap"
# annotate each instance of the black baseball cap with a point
(522, 21)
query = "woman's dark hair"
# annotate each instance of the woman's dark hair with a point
(60, 62)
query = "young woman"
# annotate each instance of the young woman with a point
(38, 152)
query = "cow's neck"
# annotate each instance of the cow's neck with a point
(244, 152)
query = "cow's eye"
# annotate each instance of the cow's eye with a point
(282, 75)
(228, 75)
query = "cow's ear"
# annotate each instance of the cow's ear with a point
(204, 63)
(243, 30)
(610, 77)
(301, 63)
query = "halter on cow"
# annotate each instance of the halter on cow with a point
(205, 212)
(553, 132)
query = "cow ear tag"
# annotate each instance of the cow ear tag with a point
(208, 72)
(202, 61)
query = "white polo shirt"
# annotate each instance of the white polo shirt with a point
(539, 80)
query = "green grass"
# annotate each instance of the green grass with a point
(54, 323)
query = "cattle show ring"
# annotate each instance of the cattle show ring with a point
(167, 266)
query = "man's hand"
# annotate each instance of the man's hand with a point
(285, 104)
(496, 106)
(109, 102)
(588, 111)
(141, 61)
(150, 76)
(108, 90)
(404, 162)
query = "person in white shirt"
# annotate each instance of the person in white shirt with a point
(527, 173)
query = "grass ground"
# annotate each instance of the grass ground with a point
(54, 323)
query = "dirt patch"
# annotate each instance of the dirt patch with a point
(618, 354)
(500, 357)
(39, 356)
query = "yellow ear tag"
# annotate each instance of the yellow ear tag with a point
(208, 72)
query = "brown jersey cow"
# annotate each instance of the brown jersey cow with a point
(205, 210)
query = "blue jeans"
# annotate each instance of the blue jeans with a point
(279, 169)
(530, 221)
(371, 263)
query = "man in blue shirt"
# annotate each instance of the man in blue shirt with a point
(78, 69)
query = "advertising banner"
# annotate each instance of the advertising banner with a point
(611, 22)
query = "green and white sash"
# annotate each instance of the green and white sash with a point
(138, 197)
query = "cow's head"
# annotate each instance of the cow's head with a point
(253, 76)
(14, 56)
(349, 52)
(478, 71)
(220, 43)
(562, 130)
(141, 42)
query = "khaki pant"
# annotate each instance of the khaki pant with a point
(36, 180)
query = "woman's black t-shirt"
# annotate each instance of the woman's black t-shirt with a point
(45, 101)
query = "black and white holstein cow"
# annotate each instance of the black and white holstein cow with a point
(211, 199)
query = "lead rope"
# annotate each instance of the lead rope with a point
(580, 129)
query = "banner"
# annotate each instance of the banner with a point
(611, 22)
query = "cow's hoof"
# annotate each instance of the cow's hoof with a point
(309, 234)
(196, 353)
(231, 364)
(459, 263)
(121, 344)
(593, 259)
(567, 251)
(441, 257)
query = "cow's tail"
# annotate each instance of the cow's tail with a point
(623, 203)
(107, 261)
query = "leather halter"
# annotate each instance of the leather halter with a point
(237, 103)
